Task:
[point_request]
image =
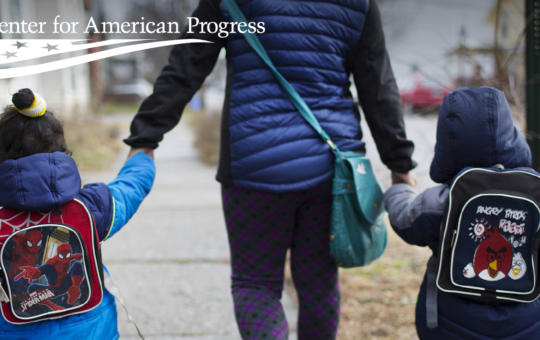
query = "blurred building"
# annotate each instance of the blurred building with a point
(68, 90)
(508, 18)
(511, 21)
(130, 76)
(498, 62)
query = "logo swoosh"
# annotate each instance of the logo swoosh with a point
(78, 60)
(36, 48)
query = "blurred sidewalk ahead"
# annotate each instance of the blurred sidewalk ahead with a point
(171, 261)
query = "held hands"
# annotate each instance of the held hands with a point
(148, 151)
(407, 178)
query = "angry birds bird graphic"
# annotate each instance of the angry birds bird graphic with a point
(493, 257)
(519, 268)
(468, 271)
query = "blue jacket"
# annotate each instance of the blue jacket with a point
(317, 46)
(269, 139)
(475, 128)
(42, 182)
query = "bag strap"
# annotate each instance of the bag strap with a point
(298, 102)
(3, 295)
(113, 289)
(431, 294)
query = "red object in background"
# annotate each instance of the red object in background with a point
(423, 94)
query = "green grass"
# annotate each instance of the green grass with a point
(388, 268)
(206, 127)
(94, 145)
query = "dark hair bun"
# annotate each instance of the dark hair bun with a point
(23, 99)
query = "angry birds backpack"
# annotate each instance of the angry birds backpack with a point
(489, 238)
(50, 263)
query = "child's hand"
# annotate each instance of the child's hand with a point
(148, 151)
(407, 178)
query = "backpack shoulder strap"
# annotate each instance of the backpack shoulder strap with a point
(432, 292)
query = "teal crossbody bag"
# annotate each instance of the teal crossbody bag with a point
(357, 230)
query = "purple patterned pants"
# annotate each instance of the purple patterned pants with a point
(261, 227)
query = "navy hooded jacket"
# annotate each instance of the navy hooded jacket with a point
(475, 129)
(45, 181)
(316, 45)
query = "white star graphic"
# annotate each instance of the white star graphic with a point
(9, 55)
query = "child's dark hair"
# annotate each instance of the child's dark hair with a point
(22, 136)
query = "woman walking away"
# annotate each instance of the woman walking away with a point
(274, 169)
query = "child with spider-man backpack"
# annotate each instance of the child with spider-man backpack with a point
(481, 223)
(51, 276)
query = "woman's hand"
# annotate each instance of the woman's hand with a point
(407, 178)
(148, 151)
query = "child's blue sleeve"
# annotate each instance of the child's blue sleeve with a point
(129, 188)
(416, 218)
(98, 199)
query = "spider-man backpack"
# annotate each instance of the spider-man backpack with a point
(50, 263)
(489, 238)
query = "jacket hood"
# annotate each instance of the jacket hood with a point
(475, 129)
(39, 182)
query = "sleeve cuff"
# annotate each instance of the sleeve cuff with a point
(399, 188)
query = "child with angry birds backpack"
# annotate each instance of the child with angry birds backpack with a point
(37, 174)
(475, 129)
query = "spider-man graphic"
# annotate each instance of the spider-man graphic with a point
(63, 276)
(26, 252)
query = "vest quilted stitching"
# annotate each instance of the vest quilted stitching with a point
(272, 147)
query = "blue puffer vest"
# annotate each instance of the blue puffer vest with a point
(272, 147)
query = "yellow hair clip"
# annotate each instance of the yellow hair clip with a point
(37, 109)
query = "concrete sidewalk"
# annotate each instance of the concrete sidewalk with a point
(171, 262)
